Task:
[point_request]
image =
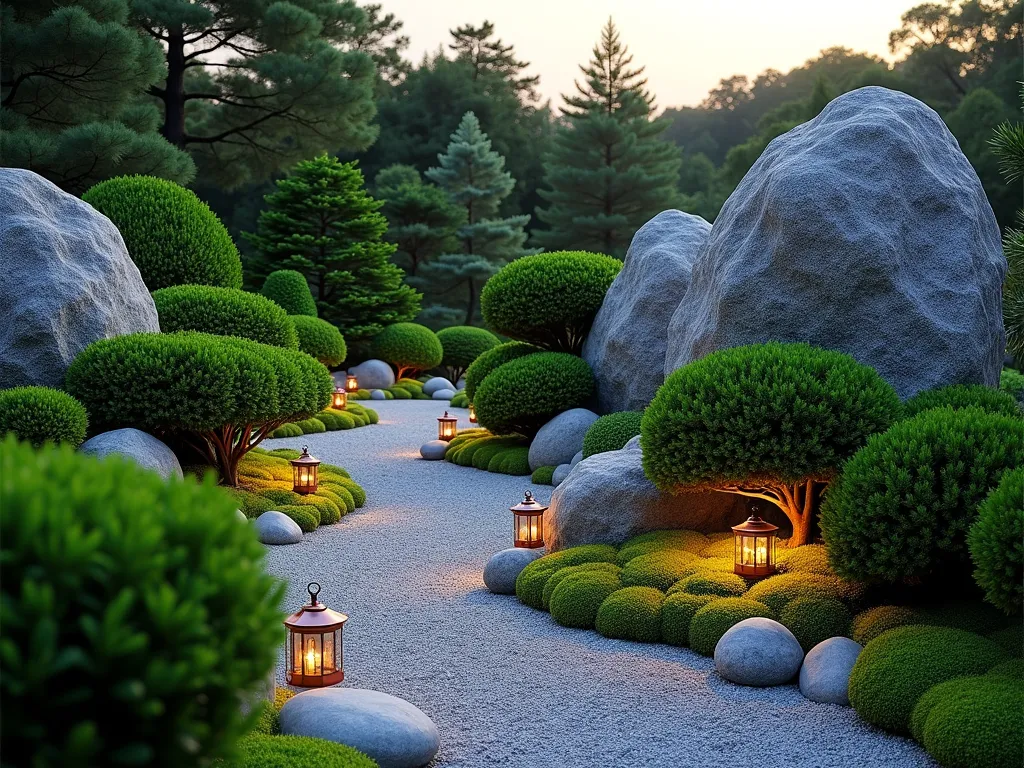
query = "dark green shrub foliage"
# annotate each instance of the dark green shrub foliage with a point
(136, 613)
(409, 347)
(871, 623)
(1012, 669)
(288, 288)
(974, 722)
(676, 614)
(611, 432)
(172, 236)
(714, 620)
(996, 542)
(542, 475)
(320, 339)
(562, 292)
(297, 752)
(577, 598)
(224, 312)
(897, 667)
(463, 344)
(492, 359)
(1012, 382)
(813, 619)
(904, 503)
(1011, 640)
(631, 613)
(958, 396)
(40, 414)
(523, 395)
(531, 580)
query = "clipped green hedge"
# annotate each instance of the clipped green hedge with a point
(478, 448)
(41, 414)
(459, 401)
(631, 613)
(524, 394)
(677, 613)
(224, 312)
(320, 339)
(493, 359)
(296, 752)
(902, 508)
(995, 542)
(289, 289)
(462, 345)
(101, 655)
(660, 569)
(813, 619)
(172, 236)
(571, 571)
(713, 620)
(611, 432)
(549, 299)
(409, 347)
(959, 396)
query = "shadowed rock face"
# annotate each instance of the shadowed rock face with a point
(626, 346)
(865, 230)
(66, 280)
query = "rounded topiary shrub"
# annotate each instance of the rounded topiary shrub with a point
(715, 619)
(39, 415)
(320, 339)
(578, 597)
(224, 312)
(296, 752)
(172, 236)
(101, 656)
(543, 475)
(677, 612)
(462, 345)
(289, 289)
(631, 613)
(958, 396)
(660, 569)
(897, 667)
(902, 508)
(713, 583)
(813, 619)
(974, 722)
(995, 542)
(492, 359)
(549, 299)
(611, 432)
(523, 395)
(409, 347)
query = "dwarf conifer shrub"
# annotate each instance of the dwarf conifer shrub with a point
(320, 339)
(959, 396)
(409, 347)
(172, 236)
(224, 312)
(462, 345)
(288, 289)
(996, 542)
(41, 414)
(611, 432)
(492, 359)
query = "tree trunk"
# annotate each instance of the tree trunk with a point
(471, 309)
(796, 501)
(174, 92)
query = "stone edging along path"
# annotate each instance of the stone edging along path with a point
(505, 685)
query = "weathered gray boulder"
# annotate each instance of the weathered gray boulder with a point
(576, 459)
(66, 281)
(430, 386)
(626, 345)
(758, 652)
(388, 729)
(561, 472)
(442, 394)
(825, 674)
(503, 568)
(141, 447)
(434, 450)
(865, 230)
(378, 394)
(560, 439)
(606, 499)
(373, 374)
(275, 527)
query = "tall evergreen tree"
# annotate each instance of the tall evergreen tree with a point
(1008, 144)
(72, 79)
(492, 57)
(474, 177)
(322, 222)
(609, 170)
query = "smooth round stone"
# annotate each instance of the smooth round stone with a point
(141, 447)
(825, 674)
(443, 394)
(561, 438)
(378, 394)
(386, 728)
(758, 652)
(430, 386)
(434, 450)
(277, 528)
(503, 568)
(241, 516)
(373, 374)
(576, 459)
(561, 472)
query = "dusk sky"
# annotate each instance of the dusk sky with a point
(686, 45)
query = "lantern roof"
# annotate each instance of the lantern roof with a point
(528, 504)
(446, 417)
(315, 615)
(755, 525)
(305, 458)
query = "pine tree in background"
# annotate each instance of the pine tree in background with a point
(1008, 144)
(322, 222)
(474, 177)
(492, 57)
(609, 171)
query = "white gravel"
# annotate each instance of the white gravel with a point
(505, 685)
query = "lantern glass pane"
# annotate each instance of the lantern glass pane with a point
(752, 550)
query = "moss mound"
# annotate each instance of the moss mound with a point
(660, 569)
(777, 591)
(712, 583)
(577, 598)
(531, 580)
(611, 432)
(297, 752)
(677, 612)
(813, 619)
(644, 543)
(713, 620)
(631, 613)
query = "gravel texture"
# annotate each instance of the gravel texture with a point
(505, 685)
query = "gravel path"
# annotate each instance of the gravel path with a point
(504, 683)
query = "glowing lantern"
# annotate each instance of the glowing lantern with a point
(472, 414)
(339, 398)
(351, 382)
(446, 428)
(313, 653)
(528, 517)
(754, 543)
(304, 473)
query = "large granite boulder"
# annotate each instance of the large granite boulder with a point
(865, 230)
(626, 345)
(141, 447)
(825, 674)
(67, 281)
(561, 438)
(388, 729)
(758, 652)
(373, 374)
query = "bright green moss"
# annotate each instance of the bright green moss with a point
(297, 752)
(711, 583)
(660, 569)
(611, 432)
(871, 623)
(578, 597)
(653, 541)
(813, 619)
(562, 573)
(306, 517)
(531, 580)
(713, 620)
(977, 724)
(631, 613)
(810, 558)
(677, 612)
(777, 591)
(38, 415)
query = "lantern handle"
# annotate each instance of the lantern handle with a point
(313, 592)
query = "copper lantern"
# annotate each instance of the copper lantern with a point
(313, 654)
(472, 414)
(446, 428)
(528, 517)
(754, 547)
(304, 473)
(351, 382)
(339, 398)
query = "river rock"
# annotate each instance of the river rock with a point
(430, 386)
(559, 440)
(373, 374)
(576, 459)
(758, 652)
(627, 343)
(67, 281)
(141, 447)
(825, 674)
(561, 472)
(503, 568)
(434, 450)
(386, 728)
(864, 230)
(443, 394)
(275, 527)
